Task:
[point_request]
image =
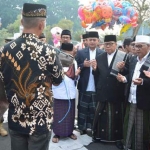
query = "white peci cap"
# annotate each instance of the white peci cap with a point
(142, 39)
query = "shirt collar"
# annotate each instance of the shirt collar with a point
(92, 50)
(144, 58)
(112, 54)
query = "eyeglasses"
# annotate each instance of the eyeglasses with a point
(139, 46)
(109, 44)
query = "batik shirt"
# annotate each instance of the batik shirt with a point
(28, 68)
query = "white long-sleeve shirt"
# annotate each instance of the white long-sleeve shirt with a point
(136, 74)
(66, 89)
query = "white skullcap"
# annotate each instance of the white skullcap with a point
(142, 39)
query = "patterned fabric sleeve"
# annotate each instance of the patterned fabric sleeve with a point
(54, 66)
(3, 99)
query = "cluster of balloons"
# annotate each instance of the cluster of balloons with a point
(103, 13)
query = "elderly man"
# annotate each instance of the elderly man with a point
(28, 69)
(86, 84)
(108, 120)
(137, 118)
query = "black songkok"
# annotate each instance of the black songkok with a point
(85, 36)
(109, 38)
(66, 32)
(67, 46)
(34, 10)
(93, 34)
(42, 36)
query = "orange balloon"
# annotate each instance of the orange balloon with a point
(98, 10)
(107, 12)
(88, 20)
(83, 24)
(95, 17)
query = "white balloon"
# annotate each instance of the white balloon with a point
(56, 30)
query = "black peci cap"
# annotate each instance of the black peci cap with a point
(67, 46)
(109, 38)
(34, 10)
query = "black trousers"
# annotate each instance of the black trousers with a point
(29, 142)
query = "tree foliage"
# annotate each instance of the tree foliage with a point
(142, 6)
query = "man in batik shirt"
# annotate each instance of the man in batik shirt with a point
(28, 68)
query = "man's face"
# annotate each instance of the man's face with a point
(132, 46)
(85, 42)
(141, 49)
(65, 39)
(43, 40)
(93, 42)
(110, 46)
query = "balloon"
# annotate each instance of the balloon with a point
(95, 17)
(111, 4)
(80, 13)
(125, 28)
(124, 19)
(56, 32)
(126, 4)
(107, 12)
(98, 24)
(83, 24)
(134, 21)
(103, 27)
(102, 3)
(88, 16)
(117, 4)
(117, 11)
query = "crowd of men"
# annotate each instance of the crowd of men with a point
(114, 104)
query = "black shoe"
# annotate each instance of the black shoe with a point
(119, 145)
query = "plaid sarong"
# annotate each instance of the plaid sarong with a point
(136, 128)
(86, 110)
(66, 126)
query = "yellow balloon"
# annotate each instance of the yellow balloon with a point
(125, 28)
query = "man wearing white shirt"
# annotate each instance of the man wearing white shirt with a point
(108, 120)
(64, 100)
(86, 84)
(137, 118)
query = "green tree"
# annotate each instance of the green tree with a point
(14, 27)
(5, 34)
(142, 6)
(10, 9)
(77, 35)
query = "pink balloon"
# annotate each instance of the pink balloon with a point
(80, 13)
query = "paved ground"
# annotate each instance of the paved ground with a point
(5, 144)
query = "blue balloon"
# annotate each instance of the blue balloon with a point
(98, 24)
(126, 4)
(111, 4)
